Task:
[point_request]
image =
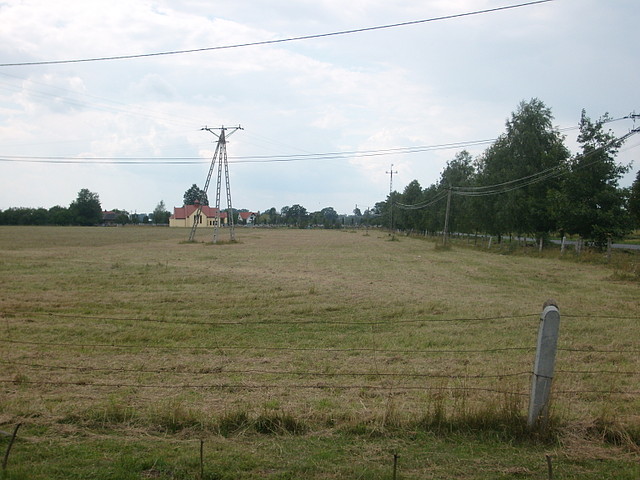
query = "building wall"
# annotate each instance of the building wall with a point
(188, 222)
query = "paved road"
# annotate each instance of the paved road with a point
(613, 245)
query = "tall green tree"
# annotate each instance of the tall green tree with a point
(517, 199)
(459, 173)
(329, 217)
(160, 214)
(194, 194)
(634, 201)
(385, 213)
(593, 205)
(407, 217)
(295, 215)
(122, 216)
(86, 209)
(269, 217)
(59, 216)
(134, 218)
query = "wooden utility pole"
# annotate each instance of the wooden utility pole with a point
(391, 172)
(445, 237)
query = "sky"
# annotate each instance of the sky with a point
(323, 119)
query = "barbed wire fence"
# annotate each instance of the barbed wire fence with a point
(133, 362)
(20, 368)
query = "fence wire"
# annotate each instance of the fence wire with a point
(14, 360)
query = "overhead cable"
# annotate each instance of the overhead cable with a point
(277, 41)
(302, 157)
(305, 157)
(518, 183)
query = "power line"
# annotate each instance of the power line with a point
(278, 41)
(518, 183)
(303, 157)
(184, 160)
(424, 204)
(549, 173)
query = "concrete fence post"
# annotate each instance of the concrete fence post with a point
(544, 366)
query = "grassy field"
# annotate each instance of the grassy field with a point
(307, 354)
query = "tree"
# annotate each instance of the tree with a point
(295, 215)
(24, 216)
(592, 204)
(59, 216)
(269, 217)
(194, 194)
(407, 218)
(86, 209)
(383, 209)
(134, 218)
(160, 214)
(329, 217)
(634, 201)
(459, 172)
(519, 200)
(122, 216)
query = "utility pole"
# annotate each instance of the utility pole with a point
(445, 237)
(391, 172)
(219, 158)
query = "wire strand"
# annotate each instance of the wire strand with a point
(265, 348)
(285, 322)
(278, 41)
(225, 371)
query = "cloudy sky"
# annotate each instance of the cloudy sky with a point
(324, 118)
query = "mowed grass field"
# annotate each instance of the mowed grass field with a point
(306, 354)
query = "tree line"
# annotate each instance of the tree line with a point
(293, 216)
(85, 210)
(527, 184)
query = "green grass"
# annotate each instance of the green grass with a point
(307, 354)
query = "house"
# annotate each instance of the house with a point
(108, 217)
(248, 218)
(186, 216)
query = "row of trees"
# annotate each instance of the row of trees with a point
(527, 183)
(294, 215)
(85, 210)
(297, 216)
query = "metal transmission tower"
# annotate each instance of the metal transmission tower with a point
(219, 157)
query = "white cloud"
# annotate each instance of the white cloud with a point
(433, 83)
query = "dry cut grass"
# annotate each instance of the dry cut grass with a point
(299, 331)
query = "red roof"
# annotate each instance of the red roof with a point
(207, 211)
(245, 215)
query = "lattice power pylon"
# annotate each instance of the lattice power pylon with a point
(219, 158)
